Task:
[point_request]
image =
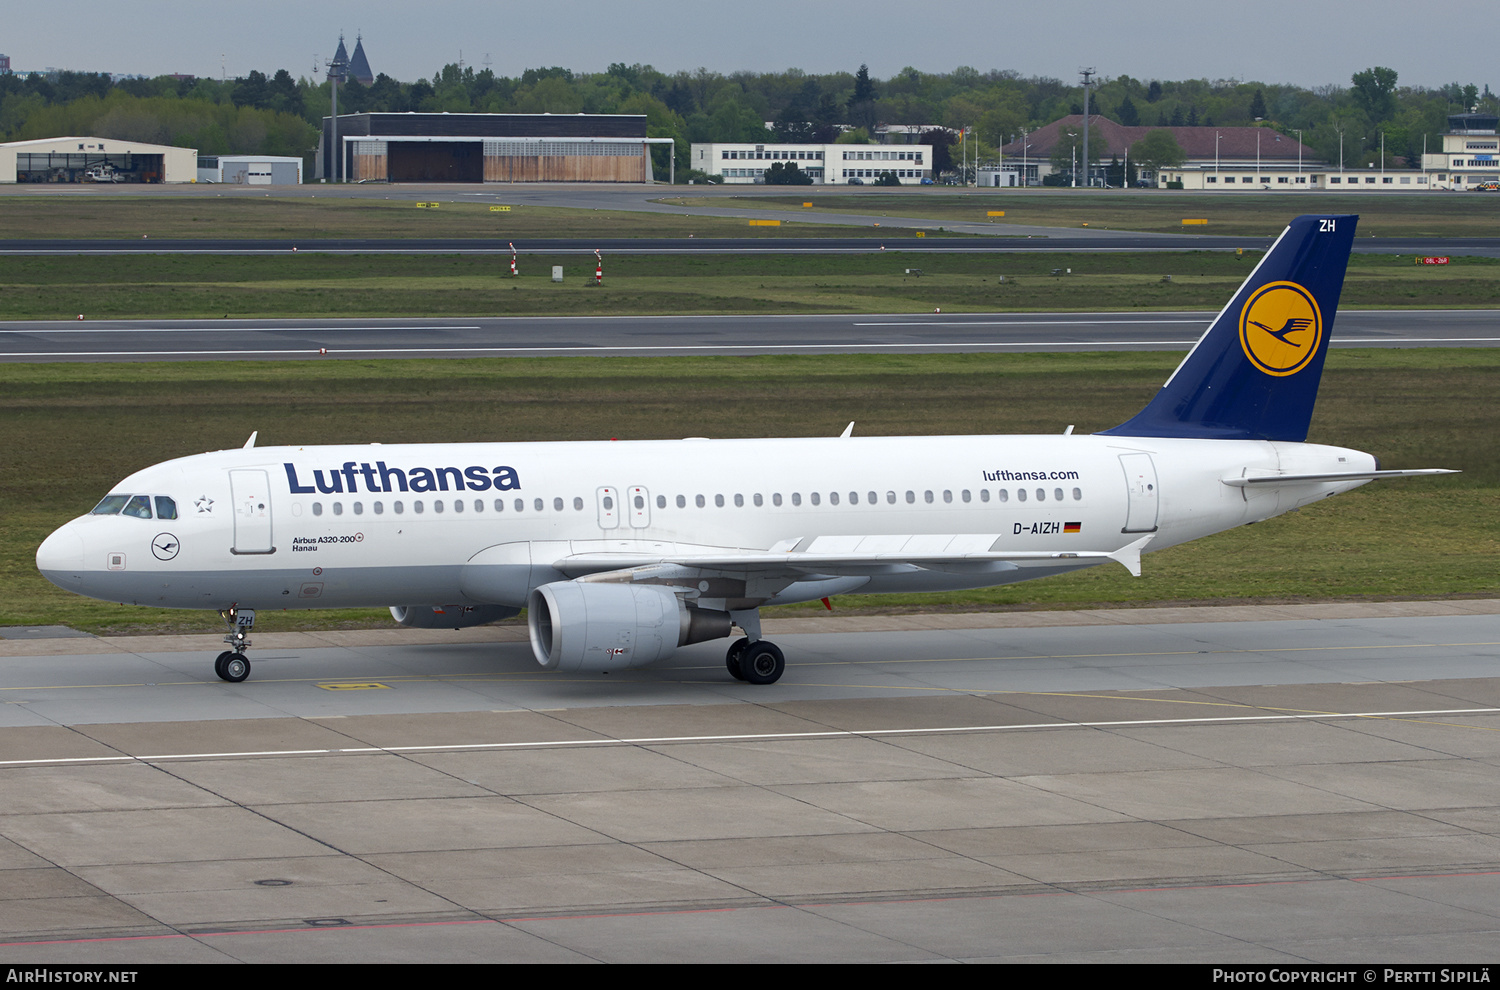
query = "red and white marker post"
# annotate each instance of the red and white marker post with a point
(512, 260)
(598, 268)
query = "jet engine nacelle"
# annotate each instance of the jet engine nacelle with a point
(450, 616)
(591, 626)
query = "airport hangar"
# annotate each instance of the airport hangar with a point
(96, 159)
(487, 147)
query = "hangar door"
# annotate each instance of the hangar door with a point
(436, 161)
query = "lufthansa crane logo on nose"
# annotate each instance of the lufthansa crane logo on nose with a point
(1281, 328)
(165, 546)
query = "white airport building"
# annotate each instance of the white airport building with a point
(826, 164)
(1470, 155)
(250, 170)
(95, 159)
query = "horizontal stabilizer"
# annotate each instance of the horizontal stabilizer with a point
(1274, 480)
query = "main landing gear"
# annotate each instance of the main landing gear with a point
(232, 665)
(752, 659)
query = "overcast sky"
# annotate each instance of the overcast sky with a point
(1286, 41)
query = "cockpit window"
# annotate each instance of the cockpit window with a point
(139, 506)
(166, 508)
(110, 504)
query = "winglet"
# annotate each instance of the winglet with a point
(251, 442)
(1130, 555)
(848, 432)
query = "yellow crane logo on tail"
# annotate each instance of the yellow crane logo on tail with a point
(1281, 328)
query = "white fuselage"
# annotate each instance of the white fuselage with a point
(373, 525)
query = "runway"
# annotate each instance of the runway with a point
(1284, 785)
(159, 340)
(989, 241)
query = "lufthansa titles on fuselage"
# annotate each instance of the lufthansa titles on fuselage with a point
(999, 474)
(379, 477)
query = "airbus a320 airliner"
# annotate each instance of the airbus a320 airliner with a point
(624, 551)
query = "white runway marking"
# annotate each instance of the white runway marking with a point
(754, 737)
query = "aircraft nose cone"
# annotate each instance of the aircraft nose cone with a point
(60, 558)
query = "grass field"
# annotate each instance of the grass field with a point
(242, 214)
(305, 285)
(1157, 211)
(73, 430)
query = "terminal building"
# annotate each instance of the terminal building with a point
(825, 164)
(486, 147)
(95, 159)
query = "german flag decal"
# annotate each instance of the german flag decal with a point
(1073, 527)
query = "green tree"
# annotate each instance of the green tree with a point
(787, 174)
(1375, 92)
(862, 103)
(1156, 151)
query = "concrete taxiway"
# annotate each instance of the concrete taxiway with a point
(1258, 784)
(158, 340)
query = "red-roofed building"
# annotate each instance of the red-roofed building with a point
(1214, 157)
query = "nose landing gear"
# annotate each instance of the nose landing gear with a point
(232, 665)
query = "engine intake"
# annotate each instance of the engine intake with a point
(591, 626)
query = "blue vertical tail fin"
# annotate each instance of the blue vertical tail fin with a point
(1254, 375)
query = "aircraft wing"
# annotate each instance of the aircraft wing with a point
(841, 556)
